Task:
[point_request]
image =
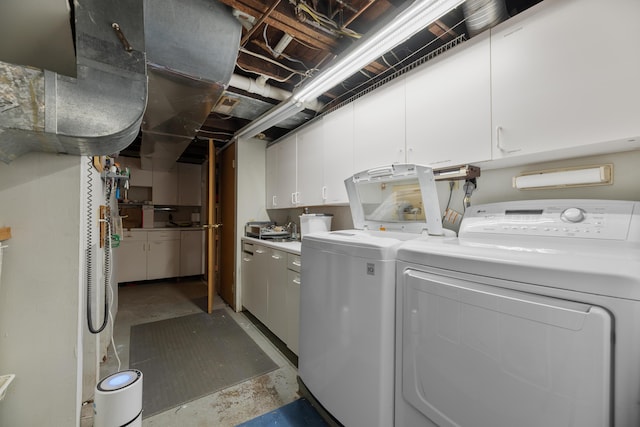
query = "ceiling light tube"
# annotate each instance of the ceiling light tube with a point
(568, 177)
(276, 115)
(404, 25)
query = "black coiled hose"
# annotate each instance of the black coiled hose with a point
(89, 257)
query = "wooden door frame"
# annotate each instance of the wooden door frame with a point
(211, 220)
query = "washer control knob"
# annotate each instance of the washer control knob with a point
(572, 215)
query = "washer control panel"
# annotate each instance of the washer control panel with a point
(592, 219)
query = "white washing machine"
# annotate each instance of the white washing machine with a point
(347, 293)
(531, 318)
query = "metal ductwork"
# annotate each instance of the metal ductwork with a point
(97, 112)
(483, 14)
(192, 47)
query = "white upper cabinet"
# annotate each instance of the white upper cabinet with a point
(379, 127)
(271, 169)
(165, 187)
(310, 165)
(449, 107)
(338, 154)
(189, 184)
(138, 176)
(558, 83)
(281, 173)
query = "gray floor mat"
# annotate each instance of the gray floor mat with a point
(188, 357)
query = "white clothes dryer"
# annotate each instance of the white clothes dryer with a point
(531, 318)
(347, 294)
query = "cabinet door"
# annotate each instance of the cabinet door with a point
(277, 299)
(271, 177)
(337, 156)
(138, 176)
(131, 257)
(191, 252)
(293, 310)
(449, 107)
(163, 258)
(165, 187)
(309, 157)
(556, 84)
(287, 172)
(379, 127)
(249, 275)
(189, 184)
(260, 286)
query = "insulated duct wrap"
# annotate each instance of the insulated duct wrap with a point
(97, 112)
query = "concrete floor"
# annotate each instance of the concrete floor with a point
(162, 300)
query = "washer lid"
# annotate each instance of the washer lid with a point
(399, 197)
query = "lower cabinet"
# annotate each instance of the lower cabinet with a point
(148, 255)
(271, 290)
(277, 293)
(163, 256)
(293, 301)
(191, 252)
(132, 257)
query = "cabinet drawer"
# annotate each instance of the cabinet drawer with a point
(134, 236)
(293, 262)
(247, 247)
(164, 235)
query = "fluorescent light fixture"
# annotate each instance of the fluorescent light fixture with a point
(581, 176)
(407, 23)
(276, 115)
(456, 172)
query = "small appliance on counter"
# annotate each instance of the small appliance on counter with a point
(265, 230)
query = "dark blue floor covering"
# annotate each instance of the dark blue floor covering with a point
(298, 413)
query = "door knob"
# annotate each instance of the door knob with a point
(212, 225)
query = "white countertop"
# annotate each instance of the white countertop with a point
(292, 247)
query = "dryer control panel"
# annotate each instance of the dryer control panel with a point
(589, 219)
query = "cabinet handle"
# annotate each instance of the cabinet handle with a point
(293, 198)
(276, 256)
(273, 201)
(324, 192)
(296, 281)
(259, 251)
(499, 142)
(296, 263)
(246, 259)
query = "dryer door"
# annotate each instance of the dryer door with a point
(483, 356)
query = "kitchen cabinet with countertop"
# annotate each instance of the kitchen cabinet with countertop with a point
(269, 291)
(159, 253)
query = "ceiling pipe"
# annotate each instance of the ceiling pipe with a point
(259, 88)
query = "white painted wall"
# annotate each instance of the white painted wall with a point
(495, 185)
(250, 195)
(43, 334)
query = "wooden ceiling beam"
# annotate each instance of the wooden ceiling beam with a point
(285, 23)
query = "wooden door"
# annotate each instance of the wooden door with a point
(227, 199)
